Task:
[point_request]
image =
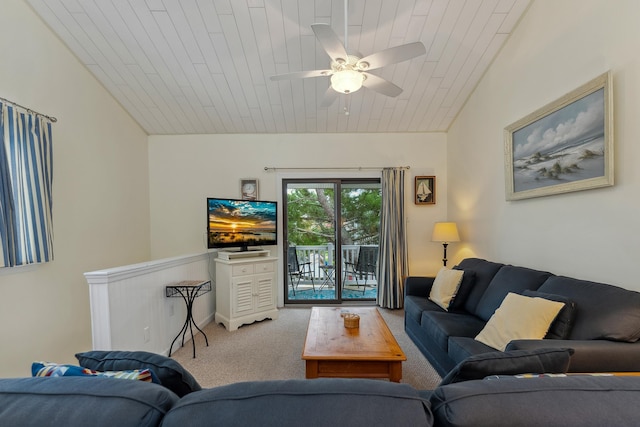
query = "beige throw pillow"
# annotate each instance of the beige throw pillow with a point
(519, 317)
(445, 287)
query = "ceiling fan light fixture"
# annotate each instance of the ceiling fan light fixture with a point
(347, 81)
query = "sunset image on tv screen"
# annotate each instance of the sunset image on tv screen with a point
(241, 222)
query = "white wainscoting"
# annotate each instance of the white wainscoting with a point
(127, 300)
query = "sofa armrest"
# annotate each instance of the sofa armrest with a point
(590, 355)
(418, 286)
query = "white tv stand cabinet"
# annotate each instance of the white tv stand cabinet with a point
(245, 288)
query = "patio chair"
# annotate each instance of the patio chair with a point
(364, 266)
(297, 270)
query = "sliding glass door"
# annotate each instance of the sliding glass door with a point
(331, 229)
(360, 205)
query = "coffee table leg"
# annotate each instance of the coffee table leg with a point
(395, 371)
(312, 369)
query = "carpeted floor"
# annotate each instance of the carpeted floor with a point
(272, 349)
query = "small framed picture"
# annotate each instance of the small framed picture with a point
(249, 189)
(425, 190)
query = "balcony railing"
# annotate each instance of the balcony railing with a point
(319, 255)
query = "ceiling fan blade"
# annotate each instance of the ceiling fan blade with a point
(302, 75)
(330, 42)
(329, 98)
(392, 55)
(381, 85)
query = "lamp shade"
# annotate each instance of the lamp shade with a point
(347, 81)
(445, 232)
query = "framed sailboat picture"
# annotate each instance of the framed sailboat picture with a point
(425, 190)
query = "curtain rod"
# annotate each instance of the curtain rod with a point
(359, 168)
(53, 119)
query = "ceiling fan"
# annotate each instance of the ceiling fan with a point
(350, 72)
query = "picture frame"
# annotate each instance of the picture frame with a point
(565, 146)
(249, 189)
(425, 190)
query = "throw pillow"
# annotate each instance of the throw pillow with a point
(465, 288)
(170, 373)
(48, 369)
(539, 361)
(445, 286)
(561, 326)
(519, 317)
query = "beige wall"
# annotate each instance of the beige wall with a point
(184, 170)
(593, 234)
(107, 177)
(100, 194)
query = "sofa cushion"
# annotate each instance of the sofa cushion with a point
(82, 401)
(572, 401)
(563, 322)
(170, 373)
(544, 360)
(519, 317)
(319, 402)
(445, 287)
(602, 311)
(484, 271)
(508, 279)
(414, 306)
(439, 326)
(460, 348)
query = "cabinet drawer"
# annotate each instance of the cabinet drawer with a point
(242, 270)
(264, 267)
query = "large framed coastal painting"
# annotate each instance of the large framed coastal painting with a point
(564, 146)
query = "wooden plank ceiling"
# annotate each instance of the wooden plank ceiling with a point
(203, 66)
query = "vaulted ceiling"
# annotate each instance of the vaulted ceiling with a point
(204, 66)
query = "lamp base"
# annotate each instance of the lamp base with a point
(444, 257)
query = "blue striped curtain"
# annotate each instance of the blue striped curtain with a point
(26, 175)
(392, 261)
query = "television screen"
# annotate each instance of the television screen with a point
(241, 223)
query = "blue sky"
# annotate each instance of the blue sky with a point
(579, 120)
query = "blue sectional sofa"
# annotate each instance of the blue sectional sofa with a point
(600, 322)
(176, 399)
(504, 401)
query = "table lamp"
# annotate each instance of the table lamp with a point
(445, 232)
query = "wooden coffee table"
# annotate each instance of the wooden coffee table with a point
(370, 351)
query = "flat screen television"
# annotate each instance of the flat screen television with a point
(233, 223)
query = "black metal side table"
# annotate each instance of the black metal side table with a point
(189, 290)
